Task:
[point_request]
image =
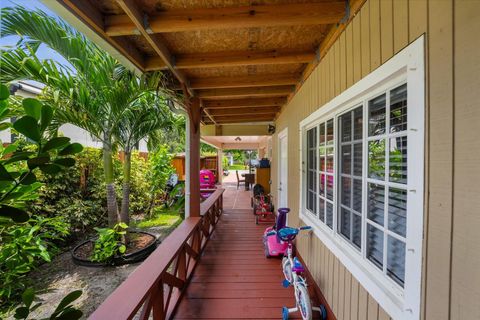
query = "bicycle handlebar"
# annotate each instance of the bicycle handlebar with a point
(303, 228)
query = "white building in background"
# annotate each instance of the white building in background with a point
(32, 89)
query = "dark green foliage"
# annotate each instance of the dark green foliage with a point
(161, 169)
(23, 247)
(109, 243)
(77, 194)
(19, 168)
(63, 311)
(25, 240)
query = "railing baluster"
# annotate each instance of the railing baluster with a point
(151, 288)
(157, 304)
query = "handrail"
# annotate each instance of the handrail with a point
(157, 285)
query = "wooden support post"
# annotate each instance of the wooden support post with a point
(194, 179)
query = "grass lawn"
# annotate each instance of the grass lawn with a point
(161, 218)
(237, 167)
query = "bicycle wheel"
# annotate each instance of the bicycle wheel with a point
(287, 269)
(303, 301)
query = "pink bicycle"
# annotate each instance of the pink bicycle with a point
(293, 270)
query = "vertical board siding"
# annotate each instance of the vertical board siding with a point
(357, 49)
(386, 29)
(450, 281)
(465, 283)
(349, 52)
(400, 25)
(365, 40)
(375, 44)
(441, 159)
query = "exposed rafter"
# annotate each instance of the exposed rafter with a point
(86, 12)
(245, 102)
(245, 81)
(243, 111)
(231, 93)
(227, 18)
(138, 19)
(238, 119)
(229, 59)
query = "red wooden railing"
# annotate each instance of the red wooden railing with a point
(155, 288)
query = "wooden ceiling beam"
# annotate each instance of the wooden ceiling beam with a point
(138, 18)
(239, 119)
(95, 20)
(243, 111)
(227, 18)
(245, 102)
(230, 59)
(232, 93)
(245, 81)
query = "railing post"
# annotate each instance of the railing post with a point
(194, 113)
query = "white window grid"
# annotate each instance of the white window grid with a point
(312, 150)
(335, 143)
(408, 64)
(352, 176)
(386, 183)
(326, 152)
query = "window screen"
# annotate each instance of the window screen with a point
(312, 170)
(350, 155)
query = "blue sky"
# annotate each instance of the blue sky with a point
(43, 52)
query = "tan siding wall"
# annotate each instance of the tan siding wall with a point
(451, 276)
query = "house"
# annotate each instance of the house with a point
(374, 142)
(31, 89)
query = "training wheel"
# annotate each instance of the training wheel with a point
(284, 313)
(323, 312)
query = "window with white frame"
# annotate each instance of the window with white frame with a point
(362, 189)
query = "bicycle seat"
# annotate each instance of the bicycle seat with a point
(297, 266)
(287, 234)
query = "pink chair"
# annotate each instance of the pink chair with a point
(207, 181)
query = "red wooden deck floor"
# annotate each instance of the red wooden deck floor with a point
(234, 280)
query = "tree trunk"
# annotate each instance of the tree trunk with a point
(127, 165)
(112, 207)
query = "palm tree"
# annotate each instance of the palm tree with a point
(143, 117)
(95, 93)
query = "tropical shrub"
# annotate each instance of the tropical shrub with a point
(23, 247)
(161, 169)
(140, 190)
(23, 238)
(109, 243)
(77, 194)
(95, 92)
(64, 309)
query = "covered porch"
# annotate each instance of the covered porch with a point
(234, 65)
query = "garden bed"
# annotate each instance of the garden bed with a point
(140, 245)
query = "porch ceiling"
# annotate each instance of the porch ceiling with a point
(237, 142)
(242, 58)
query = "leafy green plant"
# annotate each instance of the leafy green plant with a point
(22, 243)
(18, 167)
(77, 193)
(109, 243)
(95, 92)
(140, 185)
(64, 309)
(23, 247)
(160, 171)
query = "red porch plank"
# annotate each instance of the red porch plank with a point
(234, 280)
